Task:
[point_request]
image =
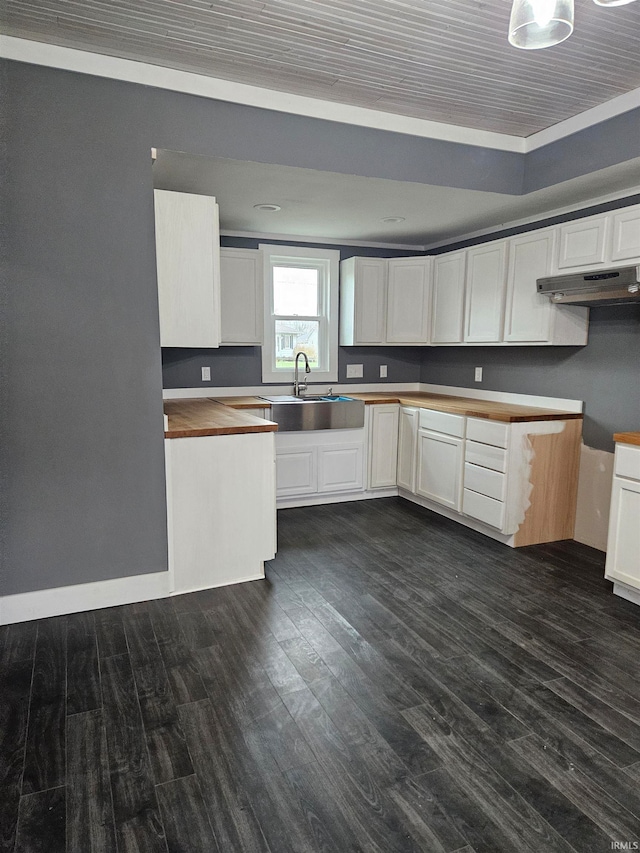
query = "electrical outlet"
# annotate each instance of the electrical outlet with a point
(478, 376)
(354, 371)
(206, 374)
(383, 371)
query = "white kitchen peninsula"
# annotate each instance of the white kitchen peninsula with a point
(221, 508)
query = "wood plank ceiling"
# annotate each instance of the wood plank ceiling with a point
(444, 60)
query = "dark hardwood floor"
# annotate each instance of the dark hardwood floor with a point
(398, 683)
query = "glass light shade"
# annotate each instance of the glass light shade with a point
(540, 23)
(612, 2)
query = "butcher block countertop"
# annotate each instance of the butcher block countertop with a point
(189, 418)
(493, 411)
(243, 402)
(627, 438)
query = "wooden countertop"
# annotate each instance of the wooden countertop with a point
(507, 412)
(243, 402)
(193, 417)
(627, 438)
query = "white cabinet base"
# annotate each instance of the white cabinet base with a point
(221, 509)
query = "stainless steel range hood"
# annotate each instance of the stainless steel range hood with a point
(599, 287)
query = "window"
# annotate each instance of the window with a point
(301, 312)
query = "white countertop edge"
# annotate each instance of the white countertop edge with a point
(540, 402)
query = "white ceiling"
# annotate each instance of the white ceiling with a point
(332, 206)
(443, 60)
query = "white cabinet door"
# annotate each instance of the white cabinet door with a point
(440, 461)
(408, 300)
(583, 243)
(340, 468)
(407, 441)
(242, 303)
(188, 269)
(626, 235)
(363, 288)
(448, 298)
(383, 446)
(484, 297)
(528, 314)
(623, 546)
(296, 471)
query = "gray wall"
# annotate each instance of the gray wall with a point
(605, 373)
(243, 365)
(81, 438)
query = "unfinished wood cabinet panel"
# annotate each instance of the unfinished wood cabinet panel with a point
(553, 480)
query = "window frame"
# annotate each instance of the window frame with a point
(327, 262)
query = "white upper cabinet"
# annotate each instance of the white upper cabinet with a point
(448, 298)
(528, 313)
(626, 235)
(188, 269)
(363, 283)
(484, 292)
(583, 243)
(242, 302)
(385, 301)
(408, 300)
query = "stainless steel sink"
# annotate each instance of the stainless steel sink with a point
(316, 412)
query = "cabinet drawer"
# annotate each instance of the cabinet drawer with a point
(442, 422)
(486, 456)
(627, 462)
(483, 508)
(487, 432)
(484, 481)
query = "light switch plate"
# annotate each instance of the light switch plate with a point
(478, 376)
(206, 374)
(383, 371)
(354, 371)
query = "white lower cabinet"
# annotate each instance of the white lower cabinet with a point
(319, 462)
(221, 509)
(407, 447)
(383, 445)
(296, 471)
(623, 546)
(439, 474)
(340, 468)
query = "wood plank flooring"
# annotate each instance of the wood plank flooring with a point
(398, 683)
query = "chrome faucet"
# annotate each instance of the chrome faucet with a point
(299, 388)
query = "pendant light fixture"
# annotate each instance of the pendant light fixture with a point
(535, 24)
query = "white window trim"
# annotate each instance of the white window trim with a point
(273, 254)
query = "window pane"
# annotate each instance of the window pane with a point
(294, 336)
(295, 291)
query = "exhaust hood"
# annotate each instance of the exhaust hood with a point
(600, 287)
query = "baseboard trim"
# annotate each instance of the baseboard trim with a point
(319, 500)
(622, 590)
(259, 577)
(465, 520)
(43, 603)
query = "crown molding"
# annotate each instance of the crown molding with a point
(321, 241)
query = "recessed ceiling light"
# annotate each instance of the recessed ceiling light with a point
(393, 219)
(270, 207)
